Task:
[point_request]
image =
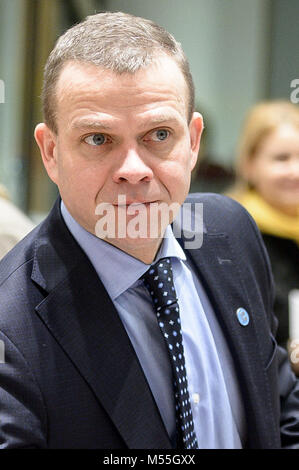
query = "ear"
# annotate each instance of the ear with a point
(195, 129)
(47, 141)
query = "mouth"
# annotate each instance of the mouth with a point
(135, 203)
(290, 186)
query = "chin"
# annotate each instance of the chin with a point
(144, 249)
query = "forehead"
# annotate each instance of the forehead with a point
(284, 135)
(282, 140)
(87, 86)
(286, 131)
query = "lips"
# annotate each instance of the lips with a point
(134, 203)
(290, 186)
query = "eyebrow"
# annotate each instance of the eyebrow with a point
(91, 124)
(161, 119)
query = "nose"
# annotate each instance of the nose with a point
(132, 169)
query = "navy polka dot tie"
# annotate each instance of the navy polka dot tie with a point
(159, 282)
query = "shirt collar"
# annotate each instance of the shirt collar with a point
(111, 263)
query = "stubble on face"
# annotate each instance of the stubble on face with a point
(125, 108)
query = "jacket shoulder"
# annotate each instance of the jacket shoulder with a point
(18, 256)
(221, 213)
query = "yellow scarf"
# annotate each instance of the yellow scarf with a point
(269, 220)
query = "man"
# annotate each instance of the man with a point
(86, 365)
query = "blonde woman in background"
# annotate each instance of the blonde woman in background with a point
(267, 185)
(14, 225)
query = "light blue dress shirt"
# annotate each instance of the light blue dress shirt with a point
(217, 408)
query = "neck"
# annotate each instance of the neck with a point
(145, 252)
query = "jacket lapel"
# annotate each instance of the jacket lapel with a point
(219, 274)
(79, 313)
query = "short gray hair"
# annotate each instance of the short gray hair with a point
(117, 41)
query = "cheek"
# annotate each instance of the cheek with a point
(261, 173)
(176, 177)
(265, 184)
(272, 177)
(80, 176)
(175, 169)
(269, 184)
(180, 162)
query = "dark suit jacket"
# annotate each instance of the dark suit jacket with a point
(71, 378)
(284, 258)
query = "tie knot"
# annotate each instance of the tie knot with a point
(159, 282)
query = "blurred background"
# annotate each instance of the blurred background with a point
(240, 52)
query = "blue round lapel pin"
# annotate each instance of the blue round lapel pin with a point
(242, 316)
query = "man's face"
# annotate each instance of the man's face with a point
(121, 135)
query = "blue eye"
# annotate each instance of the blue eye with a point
(95, 139)
(160, 135)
